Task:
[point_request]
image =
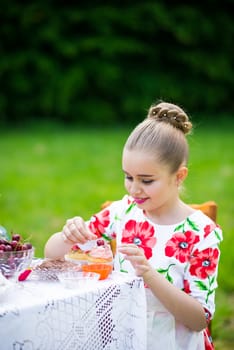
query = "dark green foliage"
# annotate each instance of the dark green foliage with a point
(104, 63)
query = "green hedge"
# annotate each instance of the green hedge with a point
(105, 63)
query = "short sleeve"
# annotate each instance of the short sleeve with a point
(202, 268)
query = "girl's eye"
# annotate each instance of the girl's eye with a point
(129, 178)
(147, 182)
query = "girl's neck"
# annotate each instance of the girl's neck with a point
(171, 215)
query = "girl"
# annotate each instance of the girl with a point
(173, 247)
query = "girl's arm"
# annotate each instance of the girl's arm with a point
(182, 306)
(56, 247)
(74, 231)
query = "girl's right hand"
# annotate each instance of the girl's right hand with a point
(76, 231)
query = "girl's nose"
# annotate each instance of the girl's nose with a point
(135, 189)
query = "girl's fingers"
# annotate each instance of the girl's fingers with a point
(76, 231)
(135, 255)
(130, 249)
(68, 236)
(82, 228)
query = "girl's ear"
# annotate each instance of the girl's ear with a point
(181, 175)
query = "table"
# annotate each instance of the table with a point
(110, 314)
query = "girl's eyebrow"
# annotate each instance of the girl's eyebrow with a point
(145, 175)
(140, 175)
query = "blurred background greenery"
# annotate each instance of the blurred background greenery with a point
(106, 62)
(74, 80)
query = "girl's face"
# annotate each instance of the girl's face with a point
(150, 183)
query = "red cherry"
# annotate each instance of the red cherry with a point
(100, 242)
(75, 247)
(27, 246)
(14, 244)
(16, 237)
(8, 248)
(4, 241)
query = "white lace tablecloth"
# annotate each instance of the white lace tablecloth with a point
(111, 314)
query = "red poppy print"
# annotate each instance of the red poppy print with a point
(181, 245)
(130, 200)
(186, 288)
(208, 315)
(208, 340)
(203, 263)
(141, 234)
(99, 222)
(208, 229)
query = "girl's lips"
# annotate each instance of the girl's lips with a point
(140, 200)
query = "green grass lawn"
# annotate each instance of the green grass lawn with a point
(48, 175)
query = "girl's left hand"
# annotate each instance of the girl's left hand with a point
(136, 256)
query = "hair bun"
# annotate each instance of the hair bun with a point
(172, 114)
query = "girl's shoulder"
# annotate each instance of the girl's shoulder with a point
(201, 219)
(202, 225)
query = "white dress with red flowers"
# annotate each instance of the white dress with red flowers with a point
(186, 254)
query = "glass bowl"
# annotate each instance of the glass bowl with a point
(74, 279)
(49, 269)
(12, 263)
(103, 270)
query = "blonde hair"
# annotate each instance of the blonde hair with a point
(162, 134)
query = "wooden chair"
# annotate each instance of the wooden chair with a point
(209, 208)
